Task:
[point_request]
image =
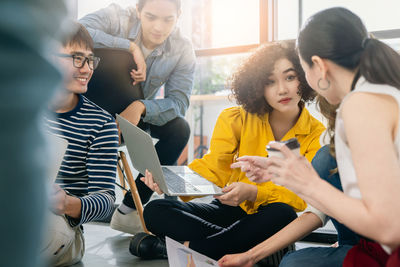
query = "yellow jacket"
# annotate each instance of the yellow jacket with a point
(238, 133)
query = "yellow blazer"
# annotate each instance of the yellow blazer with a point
(238, 133)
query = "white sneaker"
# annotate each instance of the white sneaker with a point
(127, 223)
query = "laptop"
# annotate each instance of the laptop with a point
(172, 180)
(57, 147)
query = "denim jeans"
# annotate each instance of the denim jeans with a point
(316, 257)
(324, 163)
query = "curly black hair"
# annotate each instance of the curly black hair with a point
(248, 82)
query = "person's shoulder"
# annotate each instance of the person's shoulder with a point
(309, 119)
(90, 105)
(383, 97)
(232, 112)
(179, 42)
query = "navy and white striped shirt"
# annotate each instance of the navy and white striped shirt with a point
(88, 169)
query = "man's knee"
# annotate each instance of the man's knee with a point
(178, 129)
(59, 237)
(59, 230)
(183, 126)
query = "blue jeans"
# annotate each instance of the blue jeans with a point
(316, 257)
(323, 163)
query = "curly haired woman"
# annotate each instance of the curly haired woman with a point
(271, 89)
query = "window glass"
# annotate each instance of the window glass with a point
(393, 43)
(221, 23)
(212, 73)
(288, 19)
(377, 15)
(89, 6)
(209, 23)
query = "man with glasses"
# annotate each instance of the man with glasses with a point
(84, 188)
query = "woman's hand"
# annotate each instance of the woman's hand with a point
(238, 192)
(255, 168)
(293, 171)
(148, 180)
(236, 260)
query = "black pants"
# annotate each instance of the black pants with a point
(173, 137)
(215, 229)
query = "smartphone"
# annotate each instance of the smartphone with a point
(292, 144)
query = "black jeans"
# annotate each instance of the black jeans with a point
(215, 229)
(173, 137)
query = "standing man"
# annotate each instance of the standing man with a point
(84, 188)
(164, 59)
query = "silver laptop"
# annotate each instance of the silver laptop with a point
(57, 147)
(172, 180)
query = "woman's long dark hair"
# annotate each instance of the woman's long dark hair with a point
(339, 35)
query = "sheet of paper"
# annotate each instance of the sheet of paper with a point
(181, 256)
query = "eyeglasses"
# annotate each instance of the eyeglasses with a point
(79, 61)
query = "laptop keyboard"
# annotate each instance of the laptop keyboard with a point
(176, 183)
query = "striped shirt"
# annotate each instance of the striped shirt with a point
(88, 169)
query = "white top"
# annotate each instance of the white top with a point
(322, 216)
(346, 169)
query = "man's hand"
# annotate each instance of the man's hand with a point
(238, 192)
(61, 203)
(138, 75)
(133, 112)
(58, 200)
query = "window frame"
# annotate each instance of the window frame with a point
(267, 31)
(269, 28)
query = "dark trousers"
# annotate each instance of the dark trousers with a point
(173, 137)
(215, 229)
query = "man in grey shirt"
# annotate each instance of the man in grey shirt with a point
(164, 59)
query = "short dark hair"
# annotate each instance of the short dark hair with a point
(79, 36)
(141, 4)
(248, 82)
(339, 35)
